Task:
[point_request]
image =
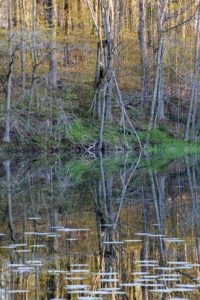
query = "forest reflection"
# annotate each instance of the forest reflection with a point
(129, 231)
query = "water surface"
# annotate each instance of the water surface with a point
(106, 228)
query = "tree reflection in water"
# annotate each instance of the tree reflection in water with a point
(125, 232)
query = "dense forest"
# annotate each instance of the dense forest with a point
(93, 74)
(99, 149)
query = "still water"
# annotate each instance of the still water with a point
(105, 228)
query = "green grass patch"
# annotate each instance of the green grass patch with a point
(80, 132)
(163, 148)
(84, 133)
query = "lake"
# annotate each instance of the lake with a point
(116, 227)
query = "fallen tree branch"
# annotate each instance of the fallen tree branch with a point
(124, 112)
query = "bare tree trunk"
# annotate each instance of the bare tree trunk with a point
(105, 62)
(79, 12)
(149, 23)
(6, 137)
(66, 16)
(50, 15)
(156, 84)
(108, 39)
(160, 8)
(23, 77)
(34, 58)
(160, 106)
(101, 129)
(106, 56)
(109, 85)
(143, 49)
(194, 80)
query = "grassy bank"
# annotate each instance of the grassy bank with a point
(81, 137)
(63, 123)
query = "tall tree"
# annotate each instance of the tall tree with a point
(193, 95)
(22, 46)
(50, 9)
(143, 48)
(157, 93)
(6, 137)
(105, 63)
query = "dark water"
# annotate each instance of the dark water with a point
(113, 228)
